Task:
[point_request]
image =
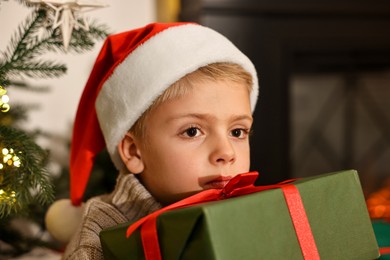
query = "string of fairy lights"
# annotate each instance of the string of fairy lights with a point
(8, 157)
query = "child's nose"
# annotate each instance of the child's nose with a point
(223, 152)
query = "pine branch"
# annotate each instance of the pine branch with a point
(84, 40)
(47, 69)
(26, 35)
(28, 43)
(24, 45)
(22, 185)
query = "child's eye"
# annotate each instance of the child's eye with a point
(192, 132)
(239, 133)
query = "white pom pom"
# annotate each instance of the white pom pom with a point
(62, 219)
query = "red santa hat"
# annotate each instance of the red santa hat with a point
(132, 69)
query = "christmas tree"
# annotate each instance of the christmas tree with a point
(26, 187)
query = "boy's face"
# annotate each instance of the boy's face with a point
(198, 141)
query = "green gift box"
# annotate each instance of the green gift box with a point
(259, 225)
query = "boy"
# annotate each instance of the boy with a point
(174, 107)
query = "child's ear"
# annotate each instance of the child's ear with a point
(130, 154)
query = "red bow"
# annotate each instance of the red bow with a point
(241, 184)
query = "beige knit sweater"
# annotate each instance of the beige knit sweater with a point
(129, 201)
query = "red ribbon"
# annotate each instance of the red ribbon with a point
(300, 221)
(384, 250)
(241, 184)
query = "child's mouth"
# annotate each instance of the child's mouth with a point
(218, 183)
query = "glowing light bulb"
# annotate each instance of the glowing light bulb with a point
(5, 151)
(5, 99)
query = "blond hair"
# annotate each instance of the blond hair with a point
(215, 71)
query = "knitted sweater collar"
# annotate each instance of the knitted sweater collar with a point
(131, 198)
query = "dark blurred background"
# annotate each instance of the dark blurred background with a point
(324, 70)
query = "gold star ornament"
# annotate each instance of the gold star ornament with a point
(69, 15)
